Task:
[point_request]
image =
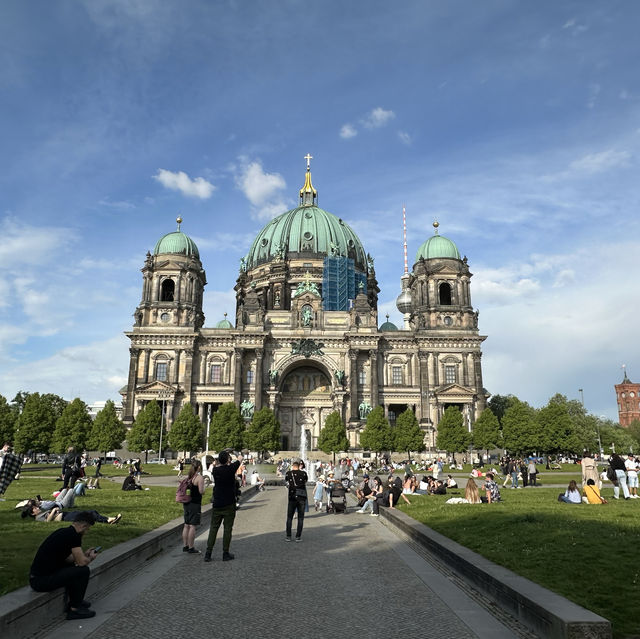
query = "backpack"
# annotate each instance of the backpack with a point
(611, 475)
(183, 494)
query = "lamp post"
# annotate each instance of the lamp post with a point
(164, 396)
(206, 444)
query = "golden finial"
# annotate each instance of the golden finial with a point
(436, 224)
(179, 221)
(308, 194)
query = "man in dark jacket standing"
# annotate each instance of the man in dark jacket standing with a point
(296, 481)
(224, 504)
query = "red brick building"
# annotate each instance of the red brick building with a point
(628, 395)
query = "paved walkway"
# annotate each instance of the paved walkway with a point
(349, 574)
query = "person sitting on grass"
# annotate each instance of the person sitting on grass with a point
(592, 493)
(571, 495)
(56, 514)
(471, 493)
(451, 482)
(491, 489)
(60, 562)
(130, 482)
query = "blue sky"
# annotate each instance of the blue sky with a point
(516, 124)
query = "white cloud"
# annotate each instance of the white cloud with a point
(257, 185)
(348, 131)
(603, 161)
(180, 181)
(378, 117)
(24, 244)
(404, 137)
(94, 371)
(122, 204)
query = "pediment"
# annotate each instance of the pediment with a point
(156, 387)
(450, 390)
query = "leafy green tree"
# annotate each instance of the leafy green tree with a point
(616, 437)
(634, 431)
(145, 432)
(186, 431)
(486, 431)
(452, 434)
(72, 427)
(107, 431)
(263, 433)
(585, 426)
(377, 434)
(500, 403)
(227, 428)
(333, 437)
(407, 435)
(7, 421)
(18, 402)
(519, 432)
(556, 432)
(37, 422)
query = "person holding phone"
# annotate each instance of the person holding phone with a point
(60, 562)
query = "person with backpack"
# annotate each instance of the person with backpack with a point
(296, 482)
(618, 476)
(193, 486)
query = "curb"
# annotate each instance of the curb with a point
(542, 611)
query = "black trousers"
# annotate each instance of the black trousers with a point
(74, 579)
(295, 505)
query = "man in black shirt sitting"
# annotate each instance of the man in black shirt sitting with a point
(224, 504)
(60, 562)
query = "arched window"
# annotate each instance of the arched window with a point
(445, 294)
(167, 291)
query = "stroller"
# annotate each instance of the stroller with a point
(338, 501)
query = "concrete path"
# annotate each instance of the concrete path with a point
(349, 574)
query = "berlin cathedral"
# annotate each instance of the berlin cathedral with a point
(305, 340)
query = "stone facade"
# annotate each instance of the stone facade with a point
(628, 395)
(287, 352)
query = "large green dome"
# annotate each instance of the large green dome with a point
(306, 230)
(438, 246)
(176, 242)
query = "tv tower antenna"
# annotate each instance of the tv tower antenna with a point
(404, 235)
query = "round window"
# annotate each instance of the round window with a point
(307, 235)
(265, 241)
(308, 215)
(351, 243)
(632, 394)
(164, 317)
(624, 394)
(448, 321)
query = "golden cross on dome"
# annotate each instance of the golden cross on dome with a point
(308, 158)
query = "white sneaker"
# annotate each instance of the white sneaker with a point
(360, 511)
(374, 515)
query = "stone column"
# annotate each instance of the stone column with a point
(147, 361)
(203, 368)
(482, 402)
(423, 364)
(176, 371)
(373, 365)
(465, 370)
(237, 377)
(436, 369)
(188, 374)
(409, 379)
(353, 385)
(258, 381)
(131, 384)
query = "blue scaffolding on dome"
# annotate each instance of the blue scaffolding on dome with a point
(340, 283)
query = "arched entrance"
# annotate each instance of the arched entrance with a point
(305, 402)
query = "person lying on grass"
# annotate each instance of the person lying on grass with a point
(55, 514)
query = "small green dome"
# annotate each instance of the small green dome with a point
(176, 242)
(438, 246)
(225, 323)
(388, 326)
(304, 230)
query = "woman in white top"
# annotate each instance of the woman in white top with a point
(571, 495)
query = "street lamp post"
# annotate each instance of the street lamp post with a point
(206, 445)
(164, 396)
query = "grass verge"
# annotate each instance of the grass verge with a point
(141, 511)
(587, 554)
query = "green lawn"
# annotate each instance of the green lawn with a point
(141, 511)
(588, 554)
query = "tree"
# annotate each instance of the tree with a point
(486, 431)
(500, 403)
(634, 430)
(615, 437)
(263, 433)
(145, 432)
(37, 421)
(18, 402)
(186, 431)
(7, 421)
(452, 435)
(107, 431)
(519, 434)
(377, 435)
(407, 435)
(227, 428)
(72, 427)
(556, 431)
(333, 437)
